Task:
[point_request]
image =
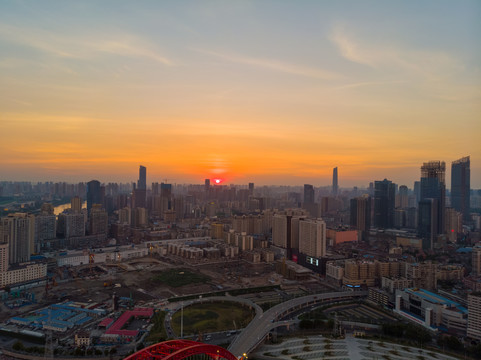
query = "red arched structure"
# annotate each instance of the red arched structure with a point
(180, 349)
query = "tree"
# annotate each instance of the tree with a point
(393, 329)
(451, 342)
(306, 324)
(474, 350)
(417, 333)
(18, 346)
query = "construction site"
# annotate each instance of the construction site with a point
(112, 304)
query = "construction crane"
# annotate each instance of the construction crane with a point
(91, 260)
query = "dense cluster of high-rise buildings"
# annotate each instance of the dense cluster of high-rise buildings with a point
(380, 237)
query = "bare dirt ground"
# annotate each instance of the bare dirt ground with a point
(133, 279)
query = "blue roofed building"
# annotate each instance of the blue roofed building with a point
(432, 311)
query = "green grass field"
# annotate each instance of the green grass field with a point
(157, 333)
(179, 277)
(212, 317)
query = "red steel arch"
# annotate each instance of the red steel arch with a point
(180, 349)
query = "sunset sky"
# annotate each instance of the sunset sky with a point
(271, 92)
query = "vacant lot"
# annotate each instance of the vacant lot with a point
(212, 317)
(179, 277)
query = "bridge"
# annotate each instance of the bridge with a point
(181, 349)
(249, 338)
(263, 323)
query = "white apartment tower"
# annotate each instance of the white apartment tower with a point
(3, 257)
(18, 231)
(312, 237)
(474, 316)
(279, 230)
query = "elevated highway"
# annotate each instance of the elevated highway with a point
(263, 323)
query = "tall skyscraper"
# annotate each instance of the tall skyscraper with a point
(207, 185)
(312, 237)
(139, 198)
(335, 188)
(428, 218)
(71, 225)
(155, 189)
(474, 316)
(403, 197)
(142, 182)
(45, 229)
(308, 194)
(384, 199)
(432, 204)
(309, 203)
(3, 257)
(476, 261)
(461, 186)
(281, 230)
(18, 230)
(454, 224)
(417, 191)
(361, 214)
(166, 197)
(76, 204)
(251, 189)
(139, 193)
(98, 221)
(94, 194)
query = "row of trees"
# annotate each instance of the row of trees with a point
(453, 343)
(407, 331)
(19, 346)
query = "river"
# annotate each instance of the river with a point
(60, 208)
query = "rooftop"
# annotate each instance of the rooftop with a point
(435, 298)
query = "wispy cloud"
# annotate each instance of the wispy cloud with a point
(16, 101)
(370, 83)
(431, 64)
(81, 47)
(275, 65)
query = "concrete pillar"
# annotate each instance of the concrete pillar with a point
(428, 316)
(398, 302)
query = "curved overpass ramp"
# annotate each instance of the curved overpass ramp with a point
(260, 326)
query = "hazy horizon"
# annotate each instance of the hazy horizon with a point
(239, 181)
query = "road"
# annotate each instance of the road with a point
(263, 323)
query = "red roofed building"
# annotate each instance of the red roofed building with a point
(116, 328)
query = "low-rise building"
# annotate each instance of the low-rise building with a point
(335, 237)
(335, 272)
(395, 283)
(82, 338)
(432, 310)
(450, 272)
(23, 272)
(379, 296)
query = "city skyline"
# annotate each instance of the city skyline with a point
(265, 92)
(221, 181)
